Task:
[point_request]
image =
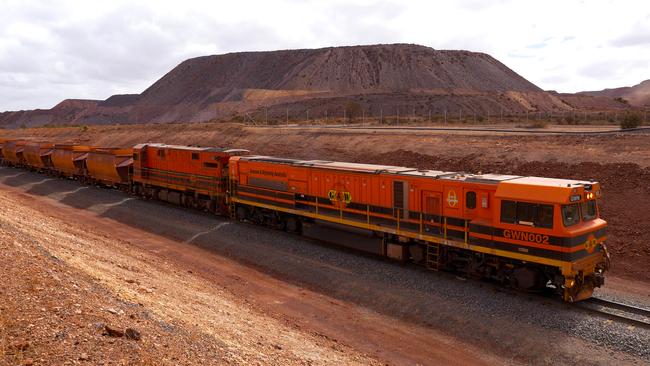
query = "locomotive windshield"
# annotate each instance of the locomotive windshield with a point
(588, 210)
(570, 214)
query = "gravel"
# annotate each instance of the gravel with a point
(502, 321)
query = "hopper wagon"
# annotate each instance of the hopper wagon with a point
(38, 155)
(12, 152)
(69, 160)
(2, 141)
(109, 166)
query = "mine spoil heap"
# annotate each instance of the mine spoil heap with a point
(299, 84)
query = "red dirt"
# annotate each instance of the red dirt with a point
(64, 273)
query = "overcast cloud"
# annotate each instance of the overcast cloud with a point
(52, 50)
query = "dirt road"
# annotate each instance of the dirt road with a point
(204, 290)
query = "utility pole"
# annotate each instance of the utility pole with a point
(266, 115)
(445, 115)
(429, 115)
(460, 115)
(326, 116)
(307, 115)
(381, 116)
(287, 115)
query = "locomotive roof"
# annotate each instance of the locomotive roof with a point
(189, 148)
(515, 181)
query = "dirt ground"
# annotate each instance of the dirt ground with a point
(621, 162)
(68, 274)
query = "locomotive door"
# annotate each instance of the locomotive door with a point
(431, 212)
(400, 199)
(143, 163)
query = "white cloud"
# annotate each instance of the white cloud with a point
(51, 50)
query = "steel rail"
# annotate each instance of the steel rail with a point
(629, 314)
(461, 129)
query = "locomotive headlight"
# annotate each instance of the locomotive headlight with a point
(574, 198)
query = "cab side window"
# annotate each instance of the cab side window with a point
(525, 213)
(509, 212)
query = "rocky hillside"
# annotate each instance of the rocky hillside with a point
(638, 95)
(384, 80)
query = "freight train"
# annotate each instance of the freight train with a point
(529, 233)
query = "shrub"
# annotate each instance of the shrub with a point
(621, 100)
(353, 110)
(630, 121)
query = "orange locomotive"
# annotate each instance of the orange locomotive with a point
(184, 175)
(529, 232)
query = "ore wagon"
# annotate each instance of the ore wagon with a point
(69, 160)
(38, 155)
(110, 166)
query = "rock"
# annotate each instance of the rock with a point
(116, 312)
(83, 357)
(112, 332)
(19, 345)
(132, 334)
(28, 362)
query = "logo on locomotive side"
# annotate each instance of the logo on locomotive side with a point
(332, 195)
(452, 199)
(525, 236)
(591, 243)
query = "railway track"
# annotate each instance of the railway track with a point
(468, 129)
(632, 315)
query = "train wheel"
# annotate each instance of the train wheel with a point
(241, 213)
(294, 225)
(528, 279)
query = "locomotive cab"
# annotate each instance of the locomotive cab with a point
(557, 220)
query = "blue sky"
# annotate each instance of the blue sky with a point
(51, 50)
